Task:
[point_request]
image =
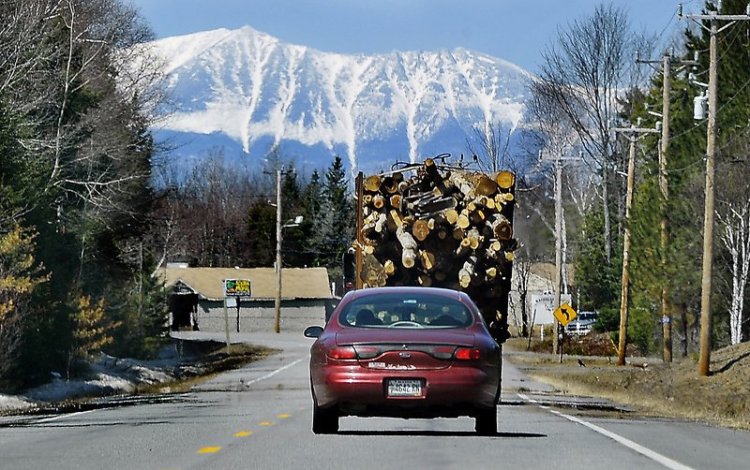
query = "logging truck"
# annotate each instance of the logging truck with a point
(433, 224)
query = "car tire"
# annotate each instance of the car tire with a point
(486, 421)
(325, 421)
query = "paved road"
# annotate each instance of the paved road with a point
(259, 417)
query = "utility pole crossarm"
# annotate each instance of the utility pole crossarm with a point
(716, 16)
(634, 130)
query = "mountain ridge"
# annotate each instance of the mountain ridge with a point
(265, 94)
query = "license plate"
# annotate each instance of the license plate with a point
(404, 388)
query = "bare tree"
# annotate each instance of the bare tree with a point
(203, 217)
(735, 235)
(491, 146)
(733, 217)
(56, 58)
(521, 276)
(583, 73)
(558, 140)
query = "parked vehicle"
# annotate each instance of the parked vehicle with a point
(583, 324)
(410, 352)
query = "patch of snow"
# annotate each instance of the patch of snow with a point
(108, 376)
(12, 402)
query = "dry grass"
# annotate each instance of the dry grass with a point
(658, 389)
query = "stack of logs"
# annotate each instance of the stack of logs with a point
(441, 227)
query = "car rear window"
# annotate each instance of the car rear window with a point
(406, 311)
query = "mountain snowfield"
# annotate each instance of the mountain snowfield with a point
(251, 94)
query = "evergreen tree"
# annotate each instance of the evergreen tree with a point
(20, 277)
(597, 281)
(141, 318)
(685, 171)
(294, 238)
(311, 207)
(261, 235)
(76, 161)
(337, 218)
(91, 331)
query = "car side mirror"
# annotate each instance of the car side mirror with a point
(313, 331)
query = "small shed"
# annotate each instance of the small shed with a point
(196, 298)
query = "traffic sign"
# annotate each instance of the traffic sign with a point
(237, 288)
(565, 314)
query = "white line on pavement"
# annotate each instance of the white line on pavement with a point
(271, 374)
(526, 398)
(267, 376)
(655, 456)
(68, 415)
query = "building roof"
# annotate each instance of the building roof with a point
(208, 283)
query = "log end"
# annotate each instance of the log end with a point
(372, 183)
(505, 179)
(408, 259)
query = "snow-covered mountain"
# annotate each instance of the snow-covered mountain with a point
(250, 93)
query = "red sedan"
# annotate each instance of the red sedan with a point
(411, 352)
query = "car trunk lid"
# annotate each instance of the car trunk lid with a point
(405, 351)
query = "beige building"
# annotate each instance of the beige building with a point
(197, 298)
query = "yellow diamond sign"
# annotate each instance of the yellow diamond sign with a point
(565, 314)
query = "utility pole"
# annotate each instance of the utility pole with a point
(559, 220)
(557, 337)
(277, 301)
(632, 133)
(713, 17)
(666, 313)
(279, 233)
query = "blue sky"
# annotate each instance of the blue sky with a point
(514, 30)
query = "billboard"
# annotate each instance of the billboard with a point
(237, 288)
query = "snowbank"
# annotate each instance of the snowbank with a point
(108, 376)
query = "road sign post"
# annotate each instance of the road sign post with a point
(236, 289)
(226, 321)
(564, 315)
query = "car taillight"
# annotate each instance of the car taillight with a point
(467, 354)
(342, 352)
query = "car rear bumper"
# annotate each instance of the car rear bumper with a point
(453, 391)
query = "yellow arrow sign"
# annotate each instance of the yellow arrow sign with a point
(565, 314)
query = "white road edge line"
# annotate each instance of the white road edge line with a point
(267, 376)
(526, 398)
(271, 374)
(68, 415)
(655, 456)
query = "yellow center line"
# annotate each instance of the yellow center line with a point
(283, 416)
(243, 434)
(265, 423)
(209, 450)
